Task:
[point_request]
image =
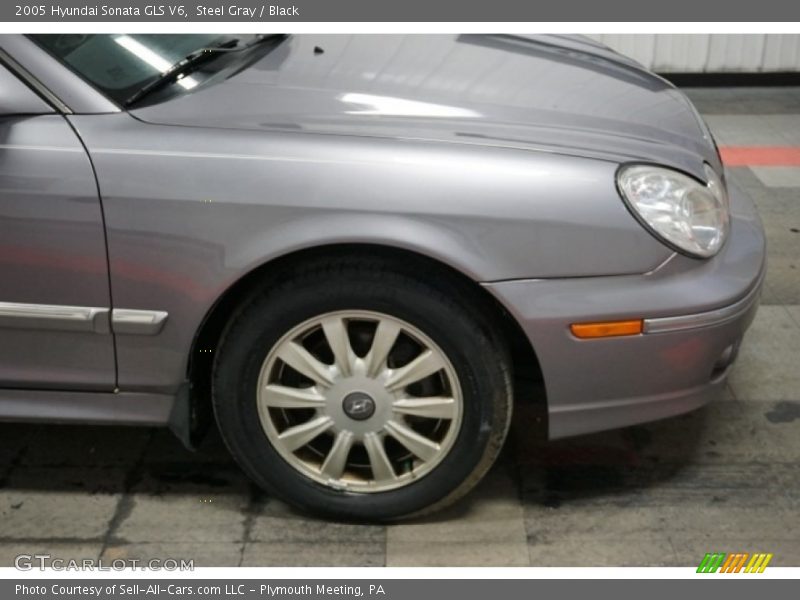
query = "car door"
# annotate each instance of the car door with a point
(54, 285)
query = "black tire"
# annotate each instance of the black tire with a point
(455, 320)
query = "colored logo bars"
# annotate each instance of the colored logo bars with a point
(734, 563)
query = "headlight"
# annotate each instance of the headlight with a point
(685, 214)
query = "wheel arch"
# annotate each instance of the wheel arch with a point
(200, 362)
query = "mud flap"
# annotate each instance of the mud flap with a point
(188, 420)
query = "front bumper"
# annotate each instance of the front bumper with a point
(695, 312)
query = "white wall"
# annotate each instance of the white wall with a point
(709, 52)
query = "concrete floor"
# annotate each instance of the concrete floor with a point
(724, 478)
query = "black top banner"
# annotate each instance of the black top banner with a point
(260, 11)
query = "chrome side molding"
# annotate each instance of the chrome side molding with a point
(137, 322)
(91, 319)
(54, 317)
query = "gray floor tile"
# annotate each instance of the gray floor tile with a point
(768, 295)
(794, 313)
(724, 471)
(484, 529)
(591, 552)
(658, 479)
(305, 554)
(754, 129)
(463, 554)
(183, 519)
(742, 130)
(786, 177)
(744, 178)
(782, 278)
(278, 523)
(780, 202)
(788, 124)
(280, 536)
(645, 517)
(780, 213)
(767, 366)
(725, 432)
(186, 506)
(779, 209)
(65, 503)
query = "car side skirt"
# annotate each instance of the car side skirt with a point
(121, 408)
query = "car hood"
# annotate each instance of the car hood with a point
(559, 94)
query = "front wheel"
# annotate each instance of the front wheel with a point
(362, 393)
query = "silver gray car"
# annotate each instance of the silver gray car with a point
(346, 251)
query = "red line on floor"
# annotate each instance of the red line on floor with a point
(751, 156)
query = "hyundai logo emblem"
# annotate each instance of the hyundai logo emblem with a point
(358, 406)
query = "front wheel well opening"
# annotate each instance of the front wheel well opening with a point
(528, 378)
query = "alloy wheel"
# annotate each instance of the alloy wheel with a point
(359, 401)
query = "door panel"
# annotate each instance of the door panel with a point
(54, 289)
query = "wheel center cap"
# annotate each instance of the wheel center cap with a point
(358, 406)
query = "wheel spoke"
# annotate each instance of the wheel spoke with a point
(424, 365)
(431, 408)
(385, 336)
(280, 396)
(336, 460)
(418, 445)
(382, 469)
(335, 330)
(298, 436)
(302, 361)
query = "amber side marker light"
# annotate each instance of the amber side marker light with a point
(607, 329)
